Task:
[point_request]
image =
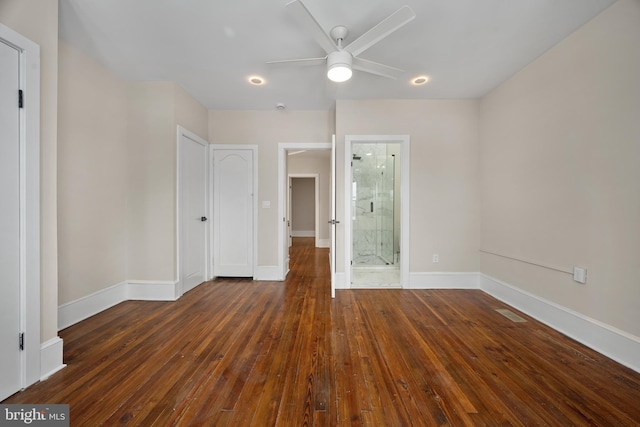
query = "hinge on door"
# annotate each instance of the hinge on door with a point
(20, 99)
(351, 262)
(21, 340)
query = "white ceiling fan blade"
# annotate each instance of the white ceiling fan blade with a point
(382, 30)
(376, 68)
(301, 62)
(300, 12)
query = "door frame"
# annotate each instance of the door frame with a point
(182, 132)
(254, 150)
(316, 186)
(30, 277)
(283, 147)
(404, 141)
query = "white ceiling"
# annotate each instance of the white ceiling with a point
(210, 47)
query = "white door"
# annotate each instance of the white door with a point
(193, 210)
(333, 222)
(10, 359)
(290, 188)
(233, 212)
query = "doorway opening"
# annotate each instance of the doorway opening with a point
(304, 207)
(375, 214)
(377, 191)
(303, 160)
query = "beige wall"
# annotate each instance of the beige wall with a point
(303, 205)
(92, 176)
(316, 163)
(560, 171)
(444, 190)
(151, 181)
(190, 114)
(117, 158)
(155, 109)
(38, 21)
(266, 129)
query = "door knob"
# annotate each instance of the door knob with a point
(203, 219)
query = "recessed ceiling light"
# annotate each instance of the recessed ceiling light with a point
(420, 80)
(256, 80)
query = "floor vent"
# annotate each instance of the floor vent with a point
(510, 315)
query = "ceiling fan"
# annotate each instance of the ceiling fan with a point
(341, 60)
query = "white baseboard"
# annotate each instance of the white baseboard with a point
(322, 243)
(341, 281)
(303, 233)
(430, 280)
(268, 273)
(618, 345)
(50, 357)
(443, 280)
(74, 311)
(611, 342)
(149, 290)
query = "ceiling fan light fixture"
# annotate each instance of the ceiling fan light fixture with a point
(339, 66)
(339, 73)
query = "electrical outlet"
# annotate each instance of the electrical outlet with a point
(435, 258)
(580, 274)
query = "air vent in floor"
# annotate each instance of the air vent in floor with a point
(510, 315)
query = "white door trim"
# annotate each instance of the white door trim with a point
(404, 141)
(29, 203)
(254, 149)
(316, 186)
(179, 259)
(333, 221)
(283, 147)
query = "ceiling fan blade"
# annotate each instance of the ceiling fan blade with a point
(301, 62)
(300, 12)
(382, 30)
(376, 68)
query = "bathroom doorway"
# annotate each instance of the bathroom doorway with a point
(376, 212)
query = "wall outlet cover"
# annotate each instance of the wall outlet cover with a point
(580, 274)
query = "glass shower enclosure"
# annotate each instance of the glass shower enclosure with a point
(375, 219)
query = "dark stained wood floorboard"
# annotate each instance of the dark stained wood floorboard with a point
(234, 352)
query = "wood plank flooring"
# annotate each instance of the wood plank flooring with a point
(242, 353)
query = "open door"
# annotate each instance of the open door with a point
(289, 236)
(333, 222)
(192, 209)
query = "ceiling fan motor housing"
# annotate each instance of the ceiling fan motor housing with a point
(339, 65)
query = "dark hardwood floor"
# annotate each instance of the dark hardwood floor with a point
(240, 353)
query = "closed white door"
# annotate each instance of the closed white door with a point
(233, 212)
(193, 210)
(10, 359)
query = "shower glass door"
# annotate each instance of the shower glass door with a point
(373, 205)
